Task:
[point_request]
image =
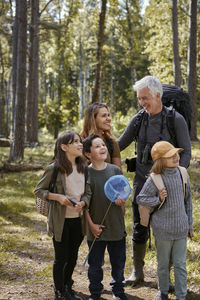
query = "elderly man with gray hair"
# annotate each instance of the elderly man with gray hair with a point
(147, 127)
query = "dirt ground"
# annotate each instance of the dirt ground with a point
(26, 270)
(44, 291)
(29, 285)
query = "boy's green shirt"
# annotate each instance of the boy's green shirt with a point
(98, 203)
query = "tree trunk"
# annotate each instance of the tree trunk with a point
(176, 58)
(81, 100)
(111, 74)
(32, 99)
(3, 132)
(7, 167)
(59, 85)
(14, 63)
(17, 147)
(95, 97)
(192, 68)
(130, 38)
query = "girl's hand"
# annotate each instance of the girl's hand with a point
(79, 206)
(64, 201)
(96, 229)
(163, 194)
(120, 201)
(190, 233)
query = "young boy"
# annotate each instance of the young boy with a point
(111, 233)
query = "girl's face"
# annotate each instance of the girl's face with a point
(103, 119)
(75, 149)
(173, 161)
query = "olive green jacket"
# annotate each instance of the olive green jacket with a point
(56, 214)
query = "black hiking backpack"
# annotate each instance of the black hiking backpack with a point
(175, 97)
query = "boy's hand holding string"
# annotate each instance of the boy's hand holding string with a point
(97, 229)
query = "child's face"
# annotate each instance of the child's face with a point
(172, 161)
(75, 149)
(98, 150)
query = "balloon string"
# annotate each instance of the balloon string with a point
(96, 237)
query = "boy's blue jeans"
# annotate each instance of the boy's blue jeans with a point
(117, 254)
(177, 250)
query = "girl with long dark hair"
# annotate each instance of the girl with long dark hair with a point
(64, 222)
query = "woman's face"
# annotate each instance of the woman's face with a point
(103, 119)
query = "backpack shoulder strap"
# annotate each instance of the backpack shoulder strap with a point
(184, 176)
(158, 181)
(138, 121)
(53, 179)
(170, 116)
(110, 146)
(86, 175)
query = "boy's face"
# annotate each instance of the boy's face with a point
(98, 150)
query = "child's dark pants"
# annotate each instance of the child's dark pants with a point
(117, 254)
(66, 253)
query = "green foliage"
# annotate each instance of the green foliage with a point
(159, 39)
(120, 121)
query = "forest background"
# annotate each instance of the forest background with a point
(56, 57)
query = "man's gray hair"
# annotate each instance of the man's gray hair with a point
(152, 83)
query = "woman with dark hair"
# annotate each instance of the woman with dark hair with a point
(97, 121)
(64, 223)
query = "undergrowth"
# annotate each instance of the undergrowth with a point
(22, 228)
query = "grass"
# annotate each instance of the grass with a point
(23, 230)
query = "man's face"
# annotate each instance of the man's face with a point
(152, 104)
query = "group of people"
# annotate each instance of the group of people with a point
(85, 162)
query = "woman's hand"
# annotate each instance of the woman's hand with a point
(163, 194)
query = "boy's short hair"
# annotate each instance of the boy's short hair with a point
(87, 143)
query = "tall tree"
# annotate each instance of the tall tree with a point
(17, 146)
(159, 34)
(14, 63)
(32, 93)
(192, 67)
(176, 58)
(2, 98)
(95, 97)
